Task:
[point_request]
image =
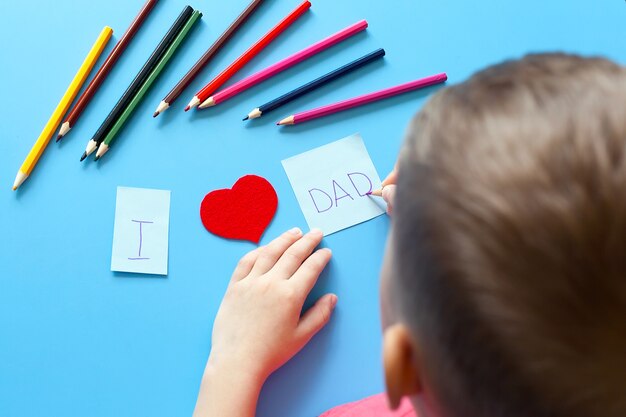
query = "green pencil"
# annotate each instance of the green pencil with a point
(110, 137)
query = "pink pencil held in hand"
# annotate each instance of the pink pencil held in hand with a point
(362, 100)
(286, 63)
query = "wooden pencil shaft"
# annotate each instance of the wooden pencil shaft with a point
(211, 52)
(109, 63)
(253, 51)
(143, 74)
(153, 76)
(286, 63)
(369, 98)
(325, 79)
(70, 93)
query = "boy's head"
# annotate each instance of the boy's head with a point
(507, 260)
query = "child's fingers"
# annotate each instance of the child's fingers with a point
(293, 257)
(389, 195)
(245, 265)
(392, 178)
(316, 318)
(306, 276)
(269, 254)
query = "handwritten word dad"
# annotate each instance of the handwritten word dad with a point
(326, 199)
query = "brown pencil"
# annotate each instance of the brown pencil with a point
(206, 58)
(104, 70)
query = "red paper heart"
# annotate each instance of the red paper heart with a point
(242, 212)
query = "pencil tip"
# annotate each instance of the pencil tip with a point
(368, 193)
(59, 137)
(246, 118)
(14, 188)
(187, 108)
(96, 158)
(82, 158)
(156, 113)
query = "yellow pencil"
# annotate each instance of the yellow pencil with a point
(62, 107)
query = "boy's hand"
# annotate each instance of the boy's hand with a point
(389, 189)
(258, 326)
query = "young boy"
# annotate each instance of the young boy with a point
(504, 284)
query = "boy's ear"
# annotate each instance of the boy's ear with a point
(402, 376)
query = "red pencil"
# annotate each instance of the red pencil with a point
(104, 70)
(253, 51)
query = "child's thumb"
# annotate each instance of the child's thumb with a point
(316, 318)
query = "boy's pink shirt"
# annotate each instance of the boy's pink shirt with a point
(375, 406)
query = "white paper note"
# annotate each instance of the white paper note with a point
(331, 184)
(141, 232)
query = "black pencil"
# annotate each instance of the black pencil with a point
(136, 84)
(315, 84)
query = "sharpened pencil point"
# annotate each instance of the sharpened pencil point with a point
(209, 102)
(287, 121)
(19, 179)
(246, 118)
(163, 105)
(96, 158)
(187, 108)
(65, 127)
(256, 113)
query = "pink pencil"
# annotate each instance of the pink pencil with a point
(286, 63)
(362, 100)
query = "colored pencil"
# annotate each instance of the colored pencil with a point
(71, 92)
(206, 58)
(253, 51)
(362, 100)
(315, 84)
(136, 84)
(284, 64)
(106, 144)
(104, 70)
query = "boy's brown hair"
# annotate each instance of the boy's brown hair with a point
(510, 239)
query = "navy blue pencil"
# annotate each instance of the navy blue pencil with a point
(313, 85)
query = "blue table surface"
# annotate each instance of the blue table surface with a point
(79, 340)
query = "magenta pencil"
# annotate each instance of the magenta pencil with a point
(362, 100)
(284, 64)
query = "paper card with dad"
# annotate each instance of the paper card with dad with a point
(331, 185)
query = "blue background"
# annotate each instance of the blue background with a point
(79, 340)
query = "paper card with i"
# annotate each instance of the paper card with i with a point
(141, 231)
(332, 183)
